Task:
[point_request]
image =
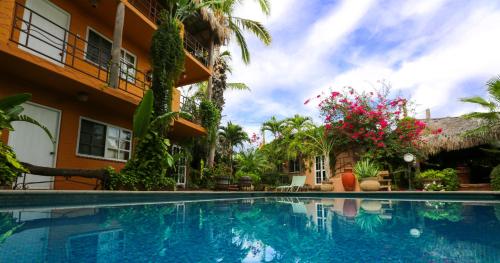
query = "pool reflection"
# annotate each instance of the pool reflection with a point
(256, 230)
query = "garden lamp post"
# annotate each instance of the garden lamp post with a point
(409, 158)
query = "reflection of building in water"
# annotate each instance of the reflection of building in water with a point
(63, 235)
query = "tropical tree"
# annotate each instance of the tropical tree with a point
(220, 85)
(274, 126)
(319, 141)
(294, 136)
(491, 116)
(232, 135)
(298, 123)
(252, 162)
(223, 11)
(148, 167)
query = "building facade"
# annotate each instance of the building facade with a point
(60, 52)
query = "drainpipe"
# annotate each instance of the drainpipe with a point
(114, 73)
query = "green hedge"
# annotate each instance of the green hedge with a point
(448, 178)
(495, 178)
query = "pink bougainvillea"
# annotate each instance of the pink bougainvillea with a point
(370, 119)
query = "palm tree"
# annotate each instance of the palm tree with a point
(219, 77)
(491, 116)
(298, 123)
(294, 135)
(274, 126)
(319, 142)
(252, 161)
(223, 11)
(232, 135)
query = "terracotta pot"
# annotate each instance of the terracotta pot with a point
(350, 208)
(348, 180)
(369, 184)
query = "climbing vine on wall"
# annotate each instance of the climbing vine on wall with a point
(167, 55)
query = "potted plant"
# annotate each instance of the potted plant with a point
(367, 173)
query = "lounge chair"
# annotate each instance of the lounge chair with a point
(297, 183)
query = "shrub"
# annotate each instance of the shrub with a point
(495, 178)
(448, 178)
(365, 168)
(10, 167)
(255, 177)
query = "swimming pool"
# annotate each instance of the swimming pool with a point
(261, 229)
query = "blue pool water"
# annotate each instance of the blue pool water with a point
(256, 230)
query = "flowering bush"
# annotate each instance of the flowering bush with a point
(367, 119)
(372, 122)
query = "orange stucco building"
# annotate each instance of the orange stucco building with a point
(59, 51)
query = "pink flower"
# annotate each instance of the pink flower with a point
(307, 101)
(334, 94)
(328, 126)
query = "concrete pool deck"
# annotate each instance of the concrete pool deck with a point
(23, 199)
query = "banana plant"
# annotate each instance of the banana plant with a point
(11, 111)
(143, 117)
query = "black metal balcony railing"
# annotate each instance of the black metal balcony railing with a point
(190, 106)
(152, 9)
(30, 30)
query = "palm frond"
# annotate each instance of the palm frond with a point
(494, 88)
(14, 100)
(28, 119)
(242, 43)
(165, 119)
(238, 86)
(257, 28)
(480, 101)
(265, 6)
(488, 116)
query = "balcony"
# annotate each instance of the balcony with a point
(40, 36)
(152, 9)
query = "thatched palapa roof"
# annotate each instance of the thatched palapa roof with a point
(455, 136)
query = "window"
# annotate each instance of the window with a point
(320, 169)
(98, 49)
(321, 214)
(105, 141)
(294, 166)
(180, 164)
(99, 52)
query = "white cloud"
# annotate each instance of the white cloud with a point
(433, 60)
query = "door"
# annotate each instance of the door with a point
(320, 169)
(32, 145)
(180, 165)
(44, 30)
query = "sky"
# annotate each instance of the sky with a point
(431, 51)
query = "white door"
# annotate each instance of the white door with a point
(320, 169)
(32, 145)
(45, 35)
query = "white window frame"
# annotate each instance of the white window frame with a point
(125, 51)
(105, 142)
(321, 216)
(322, 169)
(178, 165)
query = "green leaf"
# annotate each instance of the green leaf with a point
(142, 115)
(28, 119)
(14, 100)
(480, 101)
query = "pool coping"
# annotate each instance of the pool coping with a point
(19, 199)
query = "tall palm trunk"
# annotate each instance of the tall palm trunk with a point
(215, 89)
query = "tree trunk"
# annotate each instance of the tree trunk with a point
(114, 73)
(100, 174)
(327, 165)
(211, 153)
(211, 57)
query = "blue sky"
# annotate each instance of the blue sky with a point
(432, 51)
